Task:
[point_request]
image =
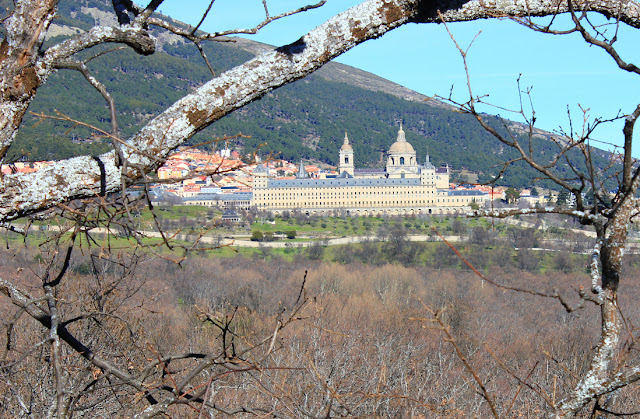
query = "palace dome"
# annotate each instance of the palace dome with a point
(401, 146)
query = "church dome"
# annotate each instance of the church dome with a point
(401, 146)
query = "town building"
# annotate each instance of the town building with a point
(224, 198)
(404, 187)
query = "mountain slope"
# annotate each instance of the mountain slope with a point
(306, 119)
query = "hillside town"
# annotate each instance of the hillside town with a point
(278, 185)
(223, 180)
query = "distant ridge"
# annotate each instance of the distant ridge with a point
(341, 73)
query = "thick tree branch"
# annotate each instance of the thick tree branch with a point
(138, 39)
(592, 383)
(629, 123)
(458, 11)
(505, 213)
(25, 30)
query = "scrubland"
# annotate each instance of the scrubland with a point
(375, 339)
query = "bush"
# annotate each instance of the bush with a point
(315, 251)
(257, 236)
(479, 235)
(528, 260)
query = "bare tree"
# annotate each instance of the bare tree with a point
(612, 365)
(25, 68)
(25, 65)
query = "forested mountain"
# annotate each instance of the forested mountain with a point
(306, 119)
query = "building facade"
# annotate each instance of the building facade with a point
(404, 187)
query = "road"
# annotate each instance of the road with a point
(330, 242)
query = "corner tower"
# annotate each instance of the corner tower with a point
(260, 177)
(346, 156)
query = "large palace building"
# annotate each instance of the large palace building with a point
(403, 188)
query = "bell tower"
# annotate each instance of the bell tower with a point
(346, 156)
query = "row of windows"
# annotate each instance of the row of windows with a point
(344, 195)
(330, 203)
(297, 192)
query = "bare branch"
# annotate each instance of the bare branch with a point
(608, 47)
(204, 16)
(147, 12)
(629, 123)
(84, 70)
(437, 316)
(190, 34)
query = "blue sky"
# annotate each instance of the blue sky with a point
(562, 71)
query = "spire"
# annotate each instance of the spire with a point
(427, 162)
(301, 172)
(401, 136)
(345, 145)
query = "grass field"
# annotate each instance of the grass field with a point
(183, 224)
